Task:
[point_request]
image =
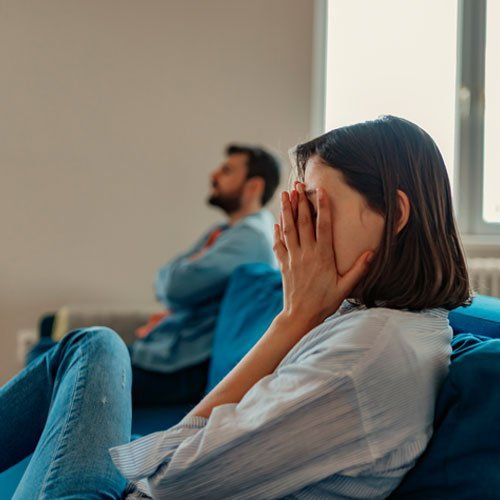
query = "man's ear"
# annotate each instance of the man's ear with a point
(255, 187)
(403, 210)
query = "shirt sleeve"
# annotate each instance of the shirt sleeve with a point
(192, 282)
(163, 275)
(294, 427)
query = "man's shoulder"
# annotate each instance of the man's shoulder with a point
(253, 236)
(261, 221)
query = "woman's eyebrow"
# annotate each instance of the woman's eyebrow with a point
(310, 194)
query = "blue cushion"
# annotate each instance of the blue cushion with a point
(462, 459)
(481, 318)
(252, 299)
(147, 420)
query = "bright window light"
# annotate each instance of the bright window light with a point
(491, 191)
(394, 57)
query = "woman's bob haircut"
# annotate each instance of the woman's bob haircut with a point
(423, 266)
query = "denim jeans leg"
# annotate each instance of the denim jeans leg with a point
(73, 403)
(41, 347)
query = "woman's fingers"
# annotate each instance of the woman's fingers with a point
(304, 220)
(281, 228)
(289, 232)
(279, 247)
(351, 278)
(294, 200)
(324, 235)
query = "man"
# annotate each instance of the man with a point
(170, 362)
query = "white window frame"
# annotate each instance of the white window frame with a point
(469, 118)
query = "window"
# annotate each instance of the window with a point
(433, 63)
(393, 57)
(491, 183)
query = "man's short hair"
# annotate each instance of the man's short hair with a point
(260, 163)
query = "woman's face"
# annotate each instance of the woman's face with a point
(355, 226)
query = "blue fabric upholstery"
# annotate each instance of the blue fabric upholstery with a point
(481, 318)
(462, 459)
(147, 420)
(253, 298)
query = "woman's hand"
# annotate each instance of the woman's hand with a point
(313, 289)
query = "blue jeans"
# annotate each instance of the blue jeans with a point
(68, 407)
(149, 388)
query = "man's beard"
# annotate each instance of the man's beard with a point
(228, 203)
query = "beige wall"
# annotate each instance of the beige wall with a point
(112, 115)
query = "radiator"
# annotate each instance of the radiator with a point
(485, 275)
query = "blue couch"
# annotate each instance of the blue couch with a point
(463, 457)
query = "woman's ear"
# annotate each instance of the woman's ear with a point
(403, 210)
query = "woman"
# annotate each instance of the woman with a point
(337, 397)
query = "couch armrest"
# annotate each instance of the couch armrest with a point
(480, 318)
(123, 319)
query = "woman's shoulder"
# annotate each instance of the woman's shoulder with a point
(376, 321)
(355, 336)
(387, 363)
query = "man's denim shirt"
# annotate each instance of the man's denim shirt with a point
(193, 290)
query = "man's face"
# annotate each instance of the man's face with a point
(228, 182)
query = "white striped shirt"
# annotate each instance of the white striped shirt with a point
(345, 415)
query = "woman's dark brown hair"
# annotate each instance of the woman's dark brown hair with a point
(423, 266)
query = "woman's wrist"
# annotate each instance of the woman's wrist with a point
(284, 332)
(297, 322)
